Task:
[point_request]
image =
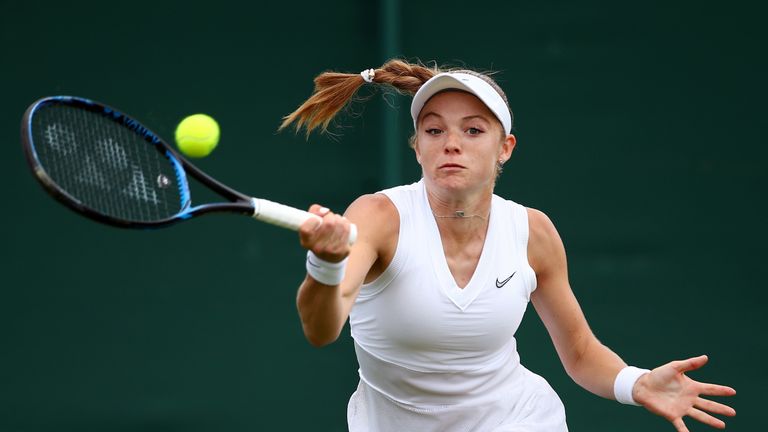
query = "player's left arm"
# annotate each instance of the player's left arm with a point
(665, 391)
(587, 361)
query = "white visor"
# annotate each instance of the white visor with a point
(469, 83)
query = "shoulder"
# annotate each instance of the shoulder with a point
(376, 206)
(545, 247)
(376, 217)
(540, 225)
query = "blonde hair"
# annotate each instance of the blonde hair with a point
(334, 90)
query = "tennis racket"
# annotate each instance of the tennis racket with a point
(105, 165)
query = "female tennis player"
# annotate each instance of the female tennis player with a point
(441, 274)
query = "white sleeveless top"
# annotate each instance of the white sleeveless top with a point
(427, 348)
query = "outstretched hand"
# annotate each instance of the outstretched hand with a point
(668, 392)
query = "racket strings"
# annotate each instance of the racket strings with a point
(107, 166)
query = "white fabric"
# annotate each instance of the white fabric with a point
(436, 357)
(530, 405)
(625, 382)
(325, 272)
(467, 82)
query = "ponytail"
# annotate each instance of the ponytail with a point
(334, 90)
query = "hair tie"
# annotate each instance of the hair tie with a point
(368, 75)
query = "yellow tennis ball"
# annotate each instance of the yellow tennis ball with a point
(197, 135)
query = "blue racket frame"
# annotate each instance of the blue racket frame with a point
(238, 202)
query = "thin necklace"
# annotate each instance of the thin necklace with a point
(459, 214)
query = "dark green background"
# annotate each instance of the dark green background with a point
(641, 134)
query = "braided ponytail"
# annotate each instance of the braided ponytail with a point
(334, 90)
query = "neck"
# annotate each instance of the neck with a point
(460, 215)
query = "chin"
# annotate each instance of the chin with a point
(460, 183)
(452, 182)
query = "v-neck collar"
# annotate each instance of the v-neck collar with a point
(461, 297)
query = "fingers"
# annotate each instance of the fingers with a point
(706, 418)
(327, 236)
(310, 225)
(318, 210)
(689, 364)
(714, 407)
(703, 417)
(685, 391)
(313, 223)
(716, 390)
(679, 425)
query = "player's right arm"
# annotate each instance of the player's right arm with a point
(324, 309)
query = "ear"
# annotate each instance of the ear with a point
(507, 146)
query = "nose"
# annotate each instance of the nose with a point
(452, 143)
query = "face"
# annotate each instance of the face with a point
(459, 141)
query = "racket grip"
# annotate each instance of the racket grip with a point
(288, 217)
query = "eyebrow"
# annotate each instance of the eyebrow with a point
(470, 117)
(478, 116)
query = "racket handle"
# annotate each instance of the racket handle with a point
(288, 217)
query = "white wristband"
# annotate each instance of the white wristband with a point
(625, 382)
(325, 272)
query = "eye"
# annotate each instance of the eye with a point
(434, 131)
(474, 131)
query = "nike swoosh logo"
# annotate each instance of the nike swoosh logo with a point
(504, 282)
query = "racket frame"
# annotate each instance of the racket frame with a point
(260, 209)
(239, 203)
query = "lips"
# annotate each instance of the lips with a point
(451, 165)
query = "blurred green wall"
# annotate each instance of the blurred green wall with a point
(640, 130)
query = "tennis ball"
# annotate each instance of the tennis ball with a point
(197, 135)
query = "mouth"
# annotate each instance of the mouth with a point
(451, 166)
